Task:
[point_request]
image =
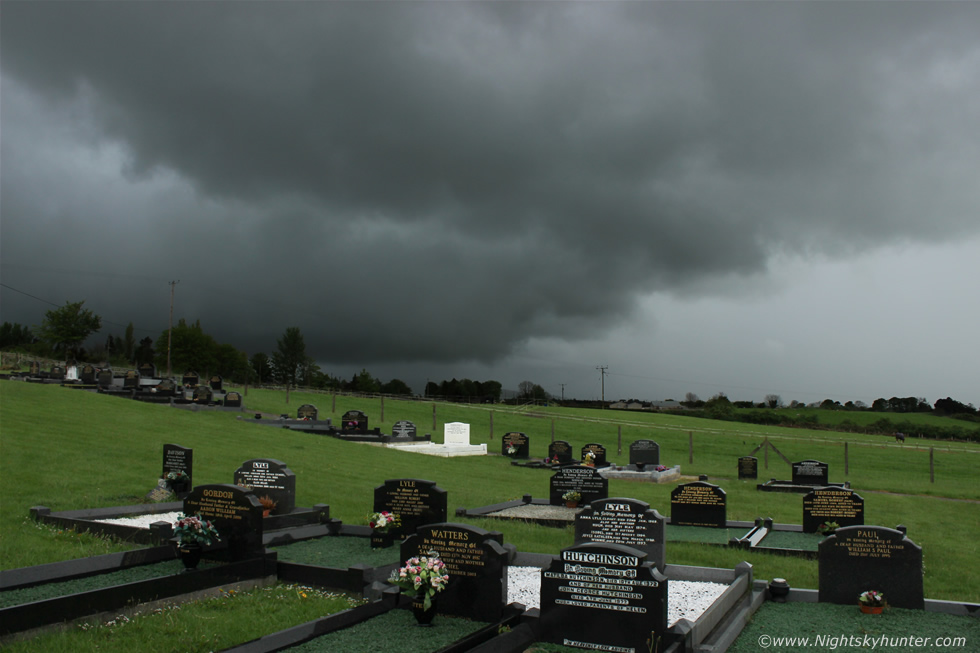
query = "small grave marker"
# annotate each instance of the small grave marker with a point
(132, 380)
(475, 561)
(404, 429)
(562, 449)
(832, 504)
(307, 411)
(585, 480)
(149, 370)
(598, 452)
(810, 472)
(415, 501)
(178, 459)
(216, 382)
(748, 467)
(104, 378)
(456, 433)
(234, 511)
(272, 478)
(860, 558)
(203, 394)
(233, 400)
(190, 379)
(354, 421)
(519, 442)
(88, 375)
(629, 522)
(604, 597)
(644, 452)
(34, 368)
(57, 372)
(698, 504)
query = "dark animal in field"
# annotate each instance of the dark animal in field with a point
(899, 437)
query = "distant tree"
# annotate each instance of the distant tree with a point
(310, 372)
(829, 404)
(879, 405)
(950, 406)
(262, 367)
(396, 387)
(719, 407)
(796, 404)
(290, 354)
(531, 391)
(16, 335)
(190, 349)
(774, 401)
(365, 382)
(690, 397)
(66, 328)
(129, 343)
(144, 353)
(860, 405)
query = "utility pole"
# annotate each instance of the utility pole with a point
(562, 392)
(171, 328)
(602, 373)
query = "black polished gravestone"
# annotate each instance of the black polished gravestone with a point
(179, 459)
(234, 511)
(585, 480)
(748, 467)
(233, 400)
(476, 562)
(148, 370)
(57, 372)
(215, 382)
(132, 380)
(203, 395)
(810, 472)
(272, 478)
(562, 450)
(629, 522)
(354, 421)
(104, 378)
(34, 368)
(166, 387)
(415, 501)
(604, 597)
(698, 504)
(307, 411)
(856, 559)
(598, 454)
(87, 375)
(519, 442)
(190, 379)
(404, 429)
(644, 452)
(832, 504)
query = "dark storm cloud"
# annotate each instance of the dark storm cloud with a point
(436, 181)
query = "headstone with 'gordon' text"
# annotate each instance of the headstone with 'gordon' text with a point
(604, 597)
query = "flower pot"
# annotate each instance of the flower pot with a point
(871, 609)
(422, 616)
(190, 554)
(266, 512)
(571, 504)
(381, 540)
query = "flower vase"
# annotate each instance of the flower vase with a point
(190, 554)
(423, 617)
(571, 504)
(871, 609)
(381, 540)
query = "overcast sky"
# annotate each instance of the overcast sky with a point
(738, 197)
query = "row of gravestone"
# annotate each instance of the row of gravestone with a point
(805, 472)
(518, 445)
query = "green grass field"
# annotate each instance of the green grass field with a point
(67, 449)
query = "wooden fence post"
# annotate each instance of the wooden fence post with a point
(690, 447)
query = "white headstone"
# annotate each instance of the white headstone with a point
(457, 433)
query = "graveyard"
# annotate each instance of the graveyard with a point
(70, 458)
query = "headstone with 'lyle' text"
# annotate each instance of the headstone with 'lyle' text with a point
(271, 478)
(417, 503)
(629, 522)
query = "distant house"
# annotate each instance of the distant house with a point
(633, 404)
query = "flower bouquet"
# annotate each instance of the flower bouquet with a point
(828, 528)
(423, 577)
(589, 459)
(872, 599)
(382, 521)
(194, 530)
(571, 498)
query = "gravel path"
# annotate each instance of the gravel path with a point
(143, 521)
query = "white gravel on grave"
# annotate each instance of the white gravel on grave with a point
(144, 521)
(686, 599)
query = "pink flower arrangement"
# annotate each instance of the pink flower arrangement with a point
(382, 521)
(422, 575)
(195, 530)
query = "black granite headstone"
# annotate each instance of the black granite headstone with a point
(475, 561)
(354, 421)
(415, 501)
(87, 375)
(629, 522)
(561, 449)
(272, 478)
(215, 382)
(233, 400)
(307, 411)
(166, 387)
(132, 380)
(832, 504)
(698, 504)
(203, 394)
(856, 559)
(179, 459)
(810, 472)
(190, 379)
(234, 511)
(585, 480)
(34, 368)
(57, 372)
(104, 378)
(604, 597)
(748, 467)
(598, 452)
(644, 452)
(520, 443)
(404, 429)
(149, 370)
